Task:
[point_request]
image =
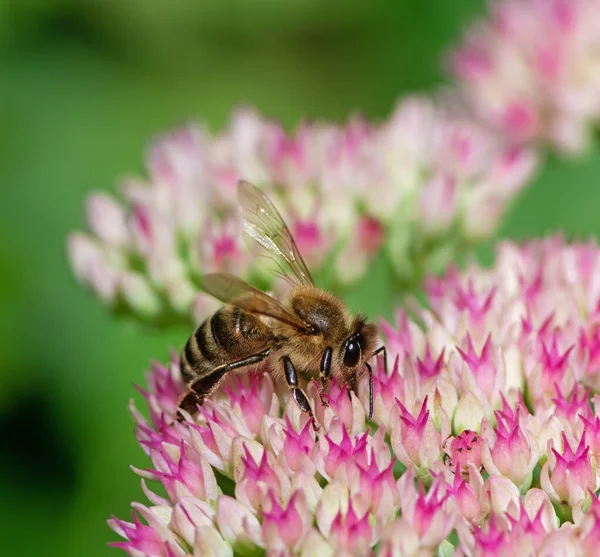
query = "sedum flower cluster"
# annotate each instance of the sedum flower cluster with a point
(484, 441)
(531, 71)
(420, 186)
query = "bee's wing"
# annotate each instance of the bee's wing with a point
(263, 223)
(232, 290)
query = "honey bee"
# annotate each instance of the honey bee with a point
(309, 332)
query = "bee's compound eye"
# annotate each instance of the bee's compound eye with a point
(352, 351)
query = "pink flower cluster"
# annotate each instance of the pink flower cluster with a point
(484, 440)
(531, 70)
(420, 186)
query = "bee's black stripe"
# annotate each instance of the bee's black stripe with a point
(188, 352)
(203, 342)
(186, 364)
(221, 330)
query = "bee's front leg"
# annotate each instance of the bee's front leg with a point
(299, 397)
(325, 374)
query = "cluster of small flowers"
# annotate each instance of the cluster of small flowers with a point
(531, 70)
(484, 440)
(422, 185)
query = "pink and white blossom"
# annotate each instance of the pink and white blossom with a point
(248, 473)
(510, 450)
(530, 70)
(414, 187)
(569, 475)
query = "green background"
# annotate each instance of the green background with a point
(83, 86)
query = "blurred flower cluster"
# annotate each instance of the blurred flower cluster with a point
(421, 186)
(485, 436)
(531, 70)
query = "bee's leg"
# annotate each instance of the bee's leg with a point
(250, 360)
(325, 374)
(299, 397)
(370, 372)
(204, 386)
(384, 350)
(189, 403)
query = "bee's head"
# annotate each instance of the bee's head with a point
(358, 347)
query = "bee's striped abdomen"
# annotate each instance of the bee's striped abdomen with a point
(201, 353)
(228, 335)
